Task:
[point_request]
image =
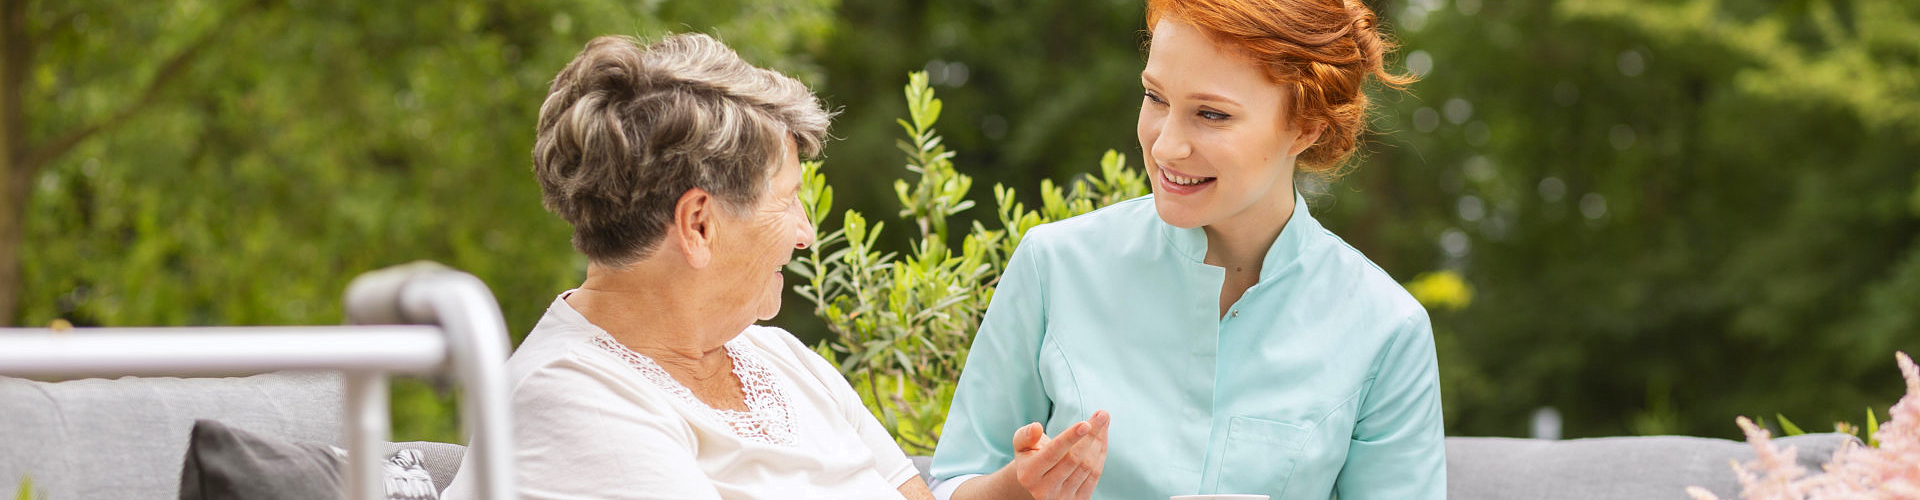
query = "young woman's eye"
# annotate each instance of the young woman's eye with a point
(1214, 115)
(1154, 97)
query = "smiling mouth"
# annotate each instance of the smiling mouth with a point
(1181, 180)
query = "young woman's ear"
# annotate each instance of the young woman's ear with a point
(1309, 134)
(693, 219)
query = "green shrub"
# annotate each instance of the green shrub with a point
(1865, 434)
(902, 324)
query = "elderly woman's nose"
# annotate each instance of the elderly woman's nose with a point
(804, 234)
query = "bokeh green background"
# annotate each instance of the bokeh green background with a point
(1670, 212)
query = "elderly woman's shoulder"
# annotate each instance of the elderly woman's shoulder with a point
(553, 339)
(569, 357)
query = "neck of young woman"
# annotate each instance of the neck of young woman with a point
(1239, 244)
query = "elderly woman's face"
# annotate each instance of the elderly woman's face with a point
(1214, 130)
(772, 229)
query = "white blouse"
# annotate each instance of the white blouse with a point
(593, 419)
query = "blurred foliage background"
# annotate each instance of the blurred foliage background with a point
(1652, 215)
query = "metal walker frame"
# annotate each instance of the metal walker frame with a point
(413, 319)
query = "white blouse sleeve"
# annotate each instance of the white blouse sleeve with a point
(580, 437)
(888, 460)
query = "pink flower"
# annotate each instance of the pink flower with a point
(1889, 472)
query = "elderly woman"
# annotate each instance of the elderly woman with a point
(1240, 346)
(678, 166)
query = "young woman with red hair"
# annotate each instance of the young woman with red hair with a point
(1239, 346)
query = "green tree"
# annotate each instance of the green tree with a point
(236, 162)
(1668, 213)
(1673, 213)
(22, 155)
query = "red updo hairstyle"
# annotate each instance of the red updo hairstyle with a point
(1320, 50)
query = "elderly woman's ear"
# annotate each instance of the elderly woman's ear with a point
(693, 231)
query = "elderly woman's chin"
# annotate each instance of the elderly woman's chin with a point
(767, 305)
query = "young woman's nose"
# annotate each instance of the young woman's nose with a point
(1171, 144)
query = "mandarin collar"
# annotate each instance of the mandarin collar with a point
(1285, 252)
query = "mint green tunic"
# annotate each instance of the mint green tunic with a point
(1321, 379)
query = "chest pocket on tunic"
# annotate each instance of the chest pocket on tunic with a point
(1260, 455)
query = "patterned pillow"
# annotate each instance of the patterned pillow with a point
(407, 477)
(229, 463)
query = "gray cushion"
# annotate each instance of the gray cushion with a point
(125, 438)
(1624, 468)
(223, 463)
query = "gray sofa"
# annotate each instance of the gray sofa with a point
(126, 438)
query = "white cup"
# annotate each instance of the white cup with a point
(1219, 496)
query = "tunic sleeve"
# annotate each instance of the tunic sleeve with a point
(1398, 449)
(1000, 388)
(578, 438)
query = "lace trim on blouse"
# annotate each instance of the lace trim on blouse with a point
(768, 418)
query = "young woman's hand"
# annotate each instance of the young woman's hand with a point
(1063, 467)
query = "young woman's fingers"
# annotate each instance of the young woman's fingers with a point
(1089, 459)
(1098, 456)
(1075, 476)
(1028, 438)
(1088, 453)
(1057, 448)
(1084, 490)
(1054, 481)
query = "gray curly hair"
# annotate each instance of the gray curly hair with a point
(626, 129)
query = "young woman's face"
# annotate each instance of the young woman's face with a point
(1218, 143)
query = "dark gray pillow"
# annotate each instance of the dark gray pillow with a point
(224, 462)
